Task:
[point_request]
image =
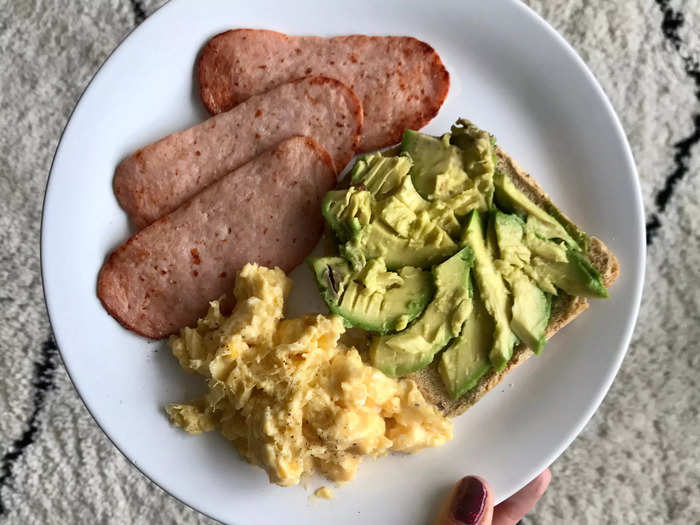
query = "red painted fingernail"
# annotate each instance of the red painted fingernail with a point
(469, 502)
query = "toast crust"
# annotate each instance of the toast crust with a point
(565, 308)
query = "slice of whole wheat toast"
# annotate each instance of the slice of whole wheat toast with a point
(565, 308)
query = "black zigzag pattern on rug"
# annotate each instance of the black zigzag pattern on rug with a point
(43, 382)
(139, 11)
(671, 24)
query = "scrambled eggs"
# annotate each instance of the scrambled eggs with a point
(289, 396)
(323, 493)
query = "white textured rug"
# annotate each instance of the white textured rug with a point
(637, 460)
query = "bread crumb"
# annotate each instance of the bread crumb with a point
(323, 493)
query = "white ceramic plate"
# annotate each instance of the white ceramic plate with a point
(513, 75)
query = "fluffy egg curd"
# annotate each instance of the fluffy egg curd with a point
(290, 396)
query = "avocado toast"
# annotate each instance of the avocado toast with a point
(509, 269)
(564, 308)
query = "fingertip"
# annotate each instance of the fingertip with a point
(548, 475)
(543, 481)
(470, 503)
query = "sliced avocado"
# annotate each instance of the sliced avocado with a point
(437, 165)
(549, 250)
(478, 158)
(380, 175)
(346, 211)
(543, 229)
(466, 360)
(510, 198)
(384, 178)
(493, 292)
(531, 311)
(554, 265)
(510, 233)
(531, 307)
(438, 211)
(464, 202)
(373, 299)
(401, 237)
(415, 347)
(577, 276)
(332, 275)
(491, 239)
(395, 214)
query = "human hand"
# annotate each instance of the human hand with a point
(471, 502)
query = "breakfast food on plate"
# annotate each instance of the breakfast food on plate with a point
(449, 262)
(267, 211)
(291, 398)
(508, 268)
(158, 178)
(401, 81)
(366, 298)
(324, 493)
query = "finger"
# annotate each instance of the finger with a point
(470, 503)
(512, 510)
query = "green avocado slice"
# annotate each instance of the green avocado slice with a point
(437, 170)
(347, 211)
(493, 292)
(531, 311)
(380, 175)
(388, 176)
(511, 199)
(531, 306)
(577, 276)
(373, 299)
(415, 347)
(332, 276)
(509, 234)
(441, 213)
(466, 360)
(555, 265)
(478, 158)
(401, 237)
